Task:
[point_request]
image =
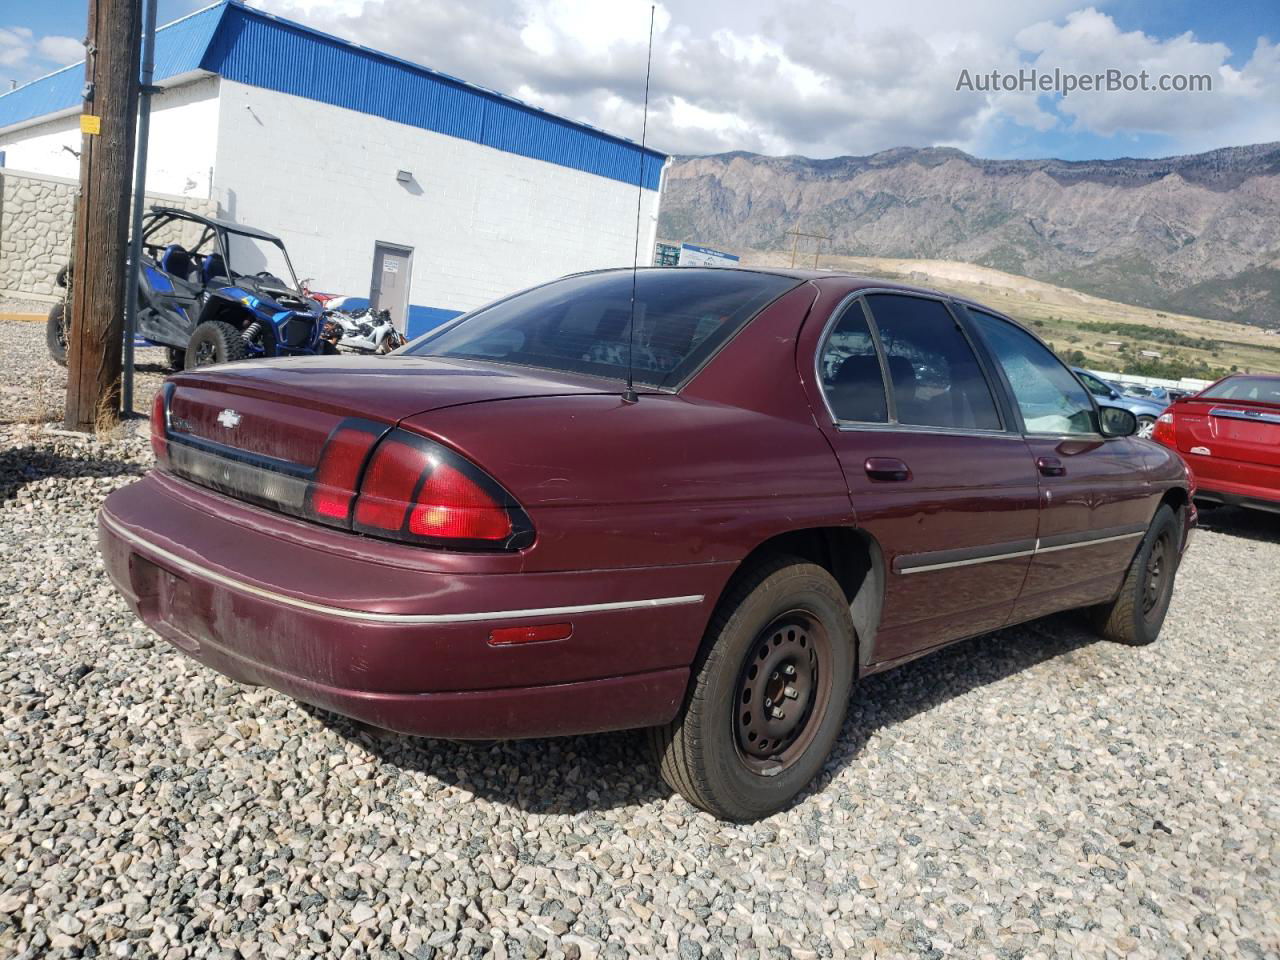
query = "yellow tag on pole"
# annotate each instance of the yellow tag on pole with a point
(90, 124)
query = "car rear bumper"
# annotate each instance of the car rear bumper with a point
(407, 650)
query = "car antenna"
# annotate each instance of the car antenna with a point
(629, 395)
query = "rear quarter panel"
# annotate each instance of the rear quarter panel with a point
(699, 477)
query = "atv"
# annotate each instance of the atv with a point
(230, 296)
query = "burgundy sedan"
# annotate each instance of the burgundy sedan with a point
(487, 535)
(1230, 435)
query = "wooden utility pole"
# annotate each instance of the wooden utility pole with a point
(96, 331)
(795, 244)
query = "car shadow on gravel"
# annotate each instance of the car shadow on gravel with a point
(552, 775)
(575, 774)
(1238, 522)
(23, 465)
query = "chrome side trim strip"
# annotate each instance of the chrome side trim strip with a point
(1036, 551)
(1089, 543)
(966, 563)
(367, 616)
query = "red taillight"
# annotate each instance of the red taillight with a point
(388, 486)
(334, 486)
(1165, 432)
(453, 506)
(159, 441)
(419, 491)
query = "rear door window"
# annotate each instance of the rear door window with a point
(1050, 398)
(582, 324)
(934, 376)
(849, 369)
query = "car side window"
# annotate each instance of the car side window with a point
(1050, 398)
(933, 372)
(850, 370)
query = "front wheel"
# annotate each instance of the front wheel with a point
(214, 342)
(1146, 426)
(1137, 613)
(768, 694)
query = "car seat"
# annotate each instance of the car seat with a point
(213, 266)
(857, 390)
(176, 261)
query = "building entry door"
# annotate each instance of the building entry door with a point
(390, 288)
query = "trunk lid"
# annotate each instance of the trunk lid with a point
(1241, 431)
(286, 409)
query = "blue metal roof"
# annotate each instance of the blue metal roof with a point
(261, 50)
(180, 46)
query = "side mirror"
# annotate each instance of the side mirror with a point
(1117, 422)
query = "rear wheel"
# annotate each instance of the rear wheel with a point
(1146, 426)
(1137, 613)
(56, 333)
(214, 342)
(768, 694)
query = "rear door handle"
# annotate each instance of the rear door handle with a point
(1050, 467)
(887, 469)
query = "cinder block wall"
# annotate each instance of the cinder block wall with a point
(37, 213)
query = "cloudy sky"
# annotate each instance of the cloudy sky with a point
(816, 77)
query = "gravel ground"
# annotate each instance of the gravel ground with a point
(1028, 794)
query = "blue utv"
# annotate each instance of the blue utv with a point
(230, 295)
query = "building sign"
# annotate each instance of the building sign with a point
(694, 256)
(664, 254)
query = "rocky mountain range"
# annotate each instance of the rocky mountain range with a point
(1198, 234)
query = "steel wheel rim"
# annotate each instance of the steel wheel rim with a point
(206, 354)
(782, 692)
(1157, 575)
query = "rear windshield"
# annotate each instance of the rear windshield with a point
(582, 324)
(1264, 389)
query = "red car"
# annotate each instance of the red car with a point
(1229, 434)
(488, 534)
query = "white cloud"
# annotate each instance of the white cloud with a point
(1242, 106)
(15, 46)
(821, 77)
(60, 50)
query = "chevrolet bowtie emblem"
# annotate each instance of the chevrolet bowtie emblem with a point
(229, 418)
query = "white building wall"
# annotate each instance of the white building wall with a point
(482, 223)
(180, 158)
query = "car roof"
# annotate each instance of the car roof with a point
(216, 223)
(855, 281)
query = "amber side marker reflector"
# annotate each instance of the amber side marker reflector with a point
(506, 636)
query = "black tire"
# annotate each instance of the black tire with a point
(1146, 426)
(177, 358)
(64, 277)
(214, 342)
(1137, 613)
(711, 752)
(55, 333)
